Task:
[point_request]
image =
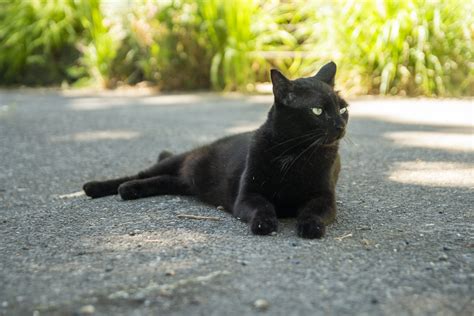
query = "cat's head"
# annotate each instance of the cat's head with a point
(310, 105)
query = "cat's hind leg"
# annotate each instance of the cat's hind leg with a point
(97, 189)
(159, 185)
(169, 166)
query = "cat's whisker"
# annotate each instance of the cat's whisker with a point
(301, 142)
(315, 147)
(294, 138)
(349, 140)
(315, 144)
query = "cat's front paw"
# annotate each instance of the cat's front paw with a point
(263, 224)
(310, 228)
(94, 189)
(129, 190)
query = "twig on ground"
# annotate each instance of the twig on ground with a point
(343, 236)
(188, 216)
(72, 195)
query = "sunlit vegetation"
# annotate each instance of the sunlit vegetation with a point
(415, 47)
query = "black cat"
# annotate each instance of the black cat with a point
(287, 167)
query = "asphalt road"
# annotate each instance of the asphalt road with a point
(402, 245)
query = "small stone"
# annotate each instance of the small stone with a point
(221, 208)
(261, 304)
(365, 242)
(273, 233)
(108, 269)
(119, 295)
(443, 257)
(374, 301)
(165, 292)
(170, 273)
(139, 297)
(5, 304)
(87, 310)
(132, 233)
(446, 248)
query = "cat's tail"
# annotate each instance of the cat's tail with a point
(164, 154)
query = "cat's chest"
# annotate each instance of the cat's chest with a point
(292, 172)
(294, 163)
(292, 177)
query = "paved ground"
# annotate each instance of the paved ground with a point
(403, 243)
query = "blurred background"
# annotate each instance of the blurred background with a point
(412, 48)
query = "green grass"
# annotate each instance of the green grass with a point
(416, 47)
(419, 47)
(39, 37)
(99, 50)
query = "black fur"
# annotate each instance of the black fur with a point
(287, 167)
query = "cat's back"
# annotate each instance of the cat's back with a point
(213, 171)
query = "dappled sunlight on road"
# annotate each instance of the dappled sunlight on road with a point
(96, 135)
(435, 140)
(439, 131)
(442, 174)
(156, 240)
(421, 111)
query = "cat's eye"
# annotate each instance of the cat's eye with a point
(343, 110)
(317, 111)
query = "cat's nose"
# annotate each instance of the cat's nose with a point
(339, 126)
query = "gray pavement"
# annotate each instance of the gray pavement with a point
(402, 245)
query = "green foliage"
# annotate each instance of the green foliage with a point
(290, 38)
(177, 46)
(408, 47)
(163, 46)
(37, 40)
(419, 47)
(231, 37)
(100, 49)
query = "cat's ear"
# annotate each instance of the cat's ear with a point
(281, 87)
(327, 73)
